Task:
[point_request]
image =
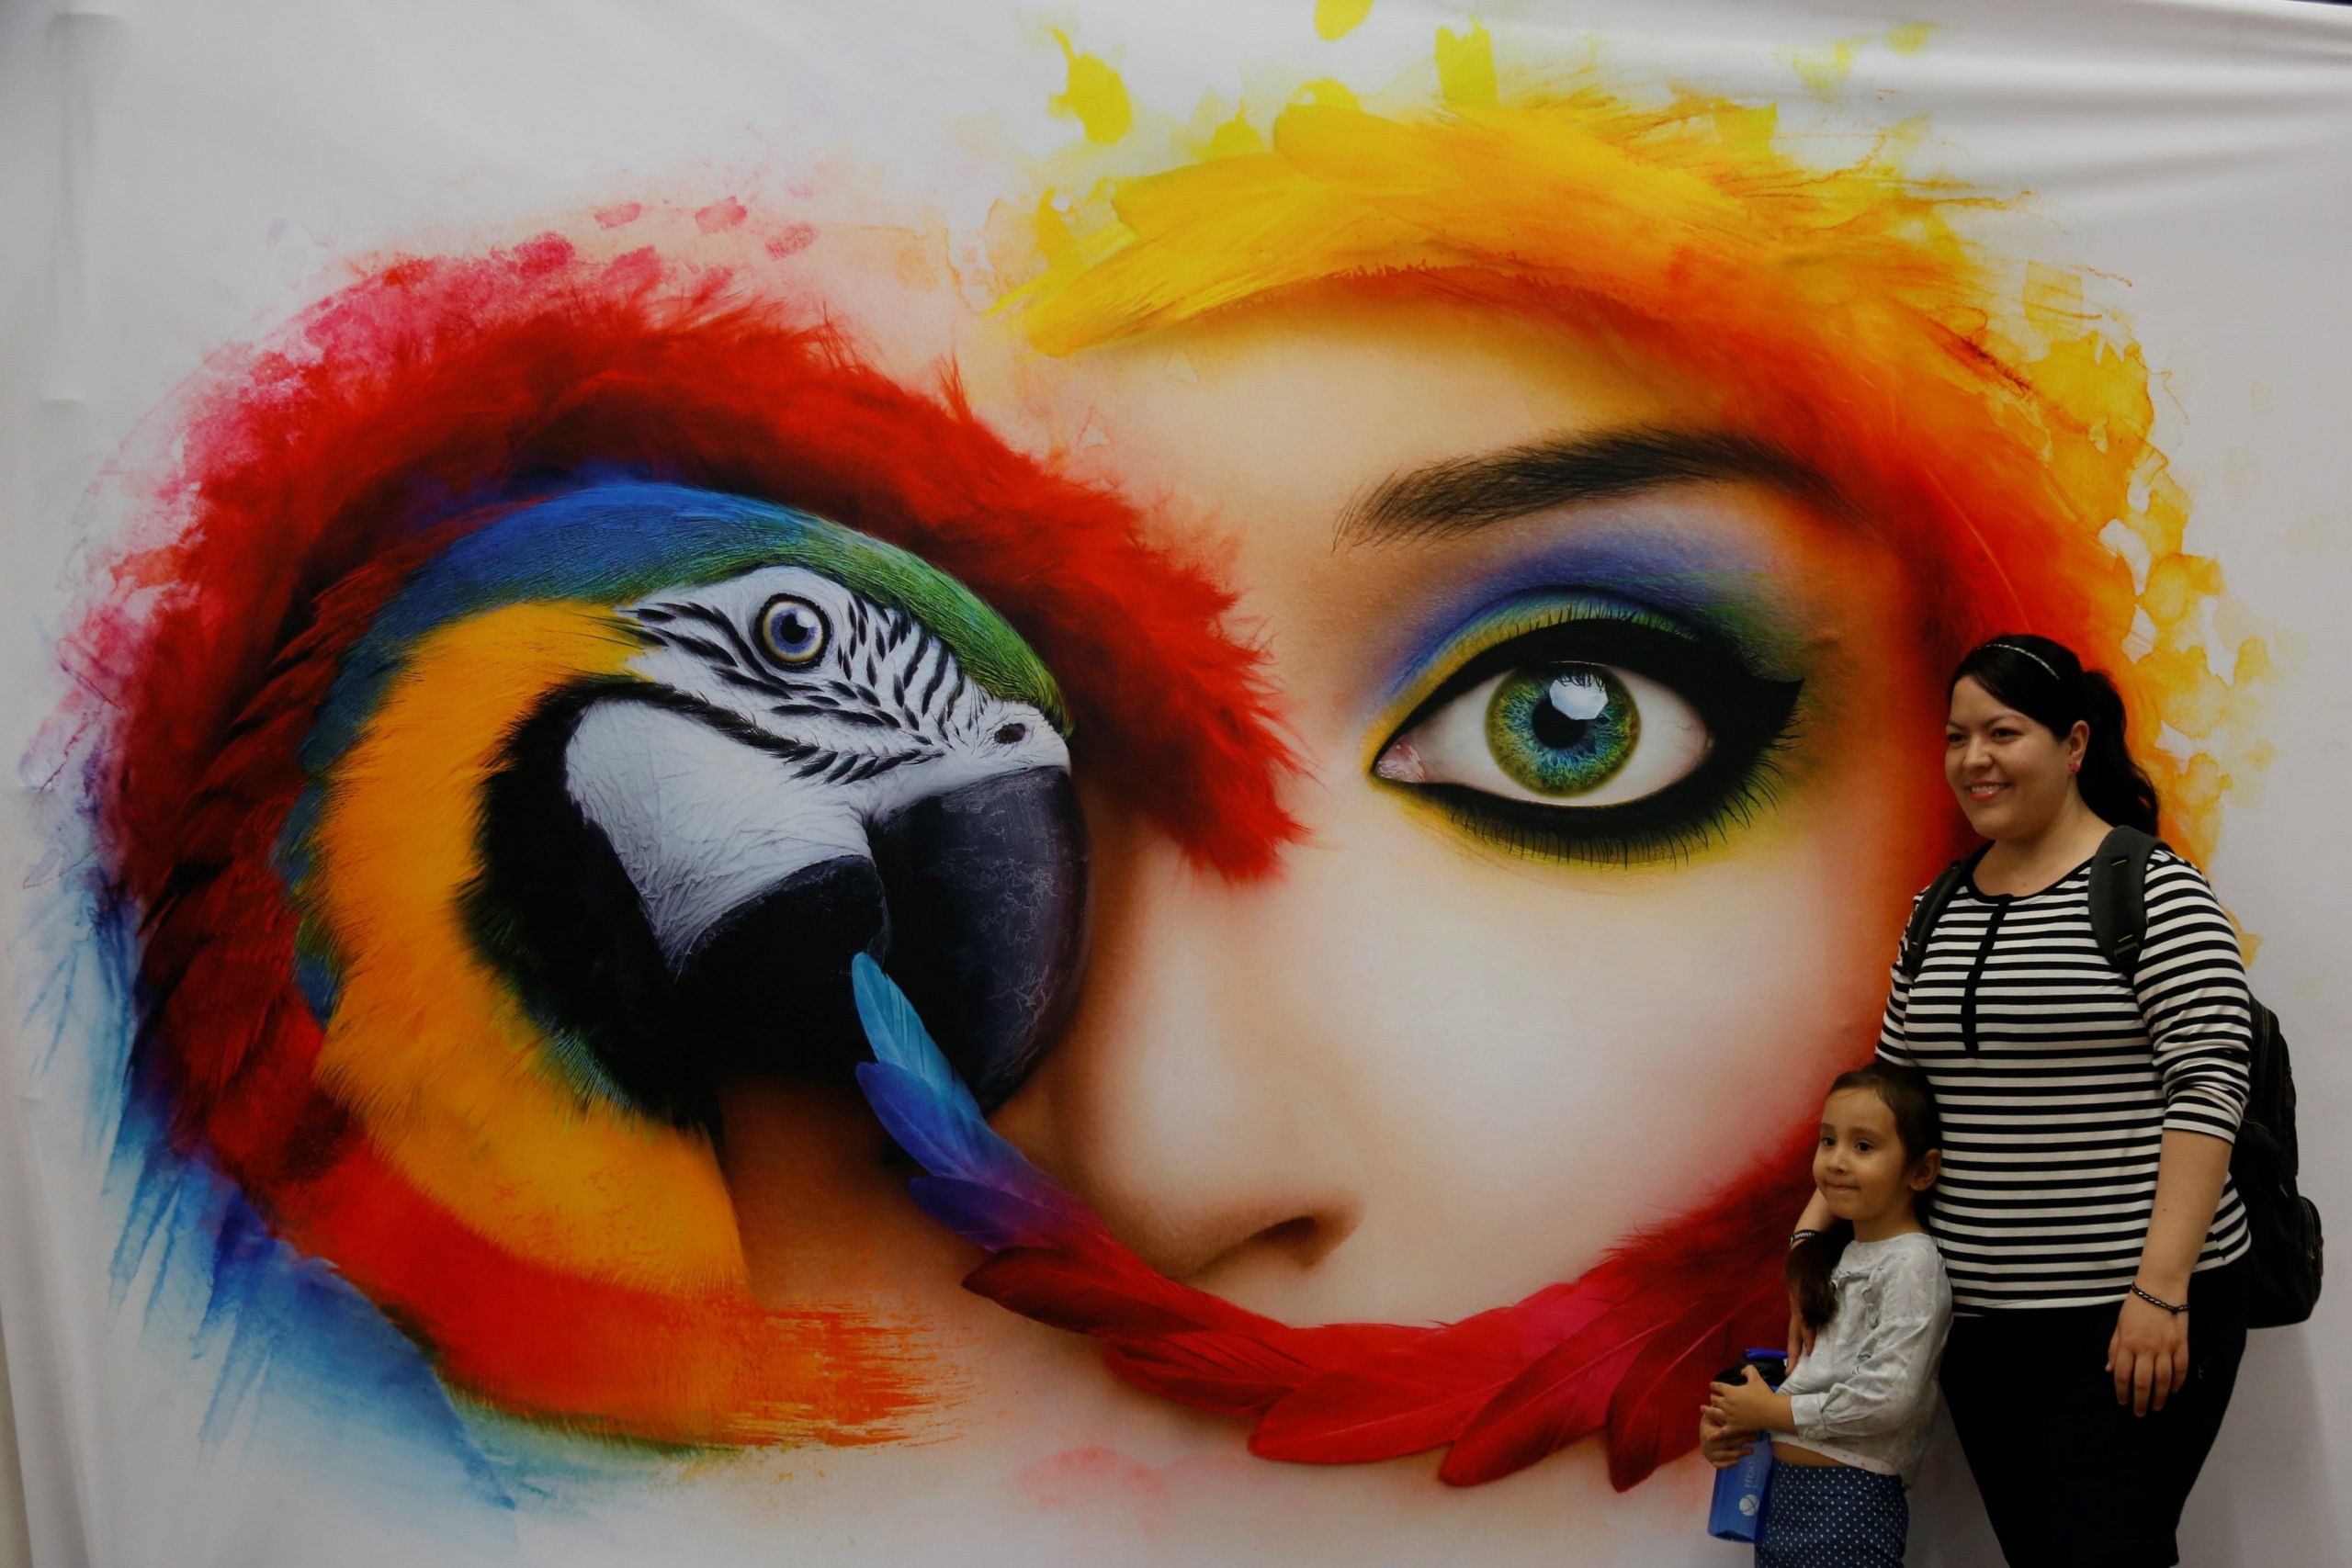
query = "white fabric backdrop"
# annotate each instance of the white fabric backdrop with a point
(179, 178)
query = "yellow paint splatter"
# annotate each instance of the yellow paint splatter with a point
(1233, 138)
(1055, 240)
(1823, 68)
(2053, 301)
(1905, 138)
(1748, 129)
(1466, 67)
(1328, 93)
(1337, 18)
(1093, 95)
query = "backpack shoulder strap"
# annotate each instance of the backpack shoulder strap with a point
(1931, 908)
(2119, 896)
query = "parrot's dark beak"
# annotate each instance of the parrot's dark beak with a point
(986, 889)
(974, 901)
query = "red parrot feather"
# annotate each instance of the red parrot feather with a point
(1420, 1395)
(1653, 1408)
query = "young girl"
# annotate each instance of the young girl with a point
(1850, 1421)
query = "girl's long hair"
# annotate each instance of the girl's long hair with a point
(1918, 1127)
(2045, 681)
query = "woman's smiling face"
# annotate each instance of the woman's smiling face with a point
(2009, 773)
(1608, 827)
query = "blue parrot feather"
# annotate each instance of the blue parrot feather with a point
(900, 1041)
(986, 1188)
(933, 1132)
(989, 1217)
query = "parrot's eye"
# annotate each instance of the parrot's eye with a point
(793, 631)
(1590, 729)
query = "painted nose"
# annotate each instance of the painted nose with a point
(1166, 1103)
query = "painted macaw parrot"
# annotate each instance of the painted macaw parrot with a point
(484, 761)
(596, 804)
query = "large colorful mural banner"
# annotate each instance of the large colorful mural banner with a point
(1115, 790)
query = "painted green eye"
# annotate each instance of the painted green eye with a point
(1562, 730)
(1555, 733)
(1582, 730)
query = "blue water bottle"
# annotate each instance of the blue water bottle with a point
(1738, 1510)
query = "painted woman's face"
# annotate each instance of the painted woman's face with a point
(1609, 824)
(1608, 827)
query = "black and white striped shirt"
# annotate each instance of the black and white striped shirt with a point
(2056, 1081)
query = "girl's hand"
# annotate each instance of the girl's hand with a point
(1749, 1404)
(1720, 1445)
(2148, 1355)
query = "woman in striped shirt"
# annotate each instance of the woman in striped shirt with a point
(2086, 1214)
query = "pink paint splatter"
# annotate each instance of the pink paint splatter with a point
(634, 268)
(793, 240)
(1094, 1477)
(545, 253)
(614, 217)
(722, 214)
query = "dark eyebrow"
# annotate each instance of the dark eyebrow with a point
(1455, 495)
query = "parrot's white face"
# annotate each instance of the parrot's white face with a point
(680, 859)
(794, 714)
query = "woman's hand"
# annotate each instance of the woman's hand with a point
(2148, 1355)
(1720, 1445)
(1800, 1337)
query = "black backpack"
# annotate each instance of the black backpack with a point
(2290, 1253)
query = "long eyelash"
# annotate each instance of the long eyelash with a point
(1761, 788)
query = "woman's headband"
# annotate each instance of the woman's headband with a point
(2013, 647)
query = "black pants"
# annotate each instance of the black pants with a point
(2069, 1476)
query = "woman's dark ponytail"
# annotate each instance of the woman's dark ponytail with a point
(1918, 1127)
(2045, 681)
(2113, 786)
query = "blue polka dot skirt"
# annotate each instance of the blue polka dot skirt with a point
(1832, 1517)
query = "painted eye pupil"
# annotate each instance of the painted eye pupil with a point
(1562, 728)
(793, 630)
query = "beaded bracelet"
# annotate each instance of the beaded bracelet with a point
(2159, 1302)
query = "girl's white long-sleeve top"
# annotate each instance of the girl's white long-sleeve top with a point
(1865, 1393)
